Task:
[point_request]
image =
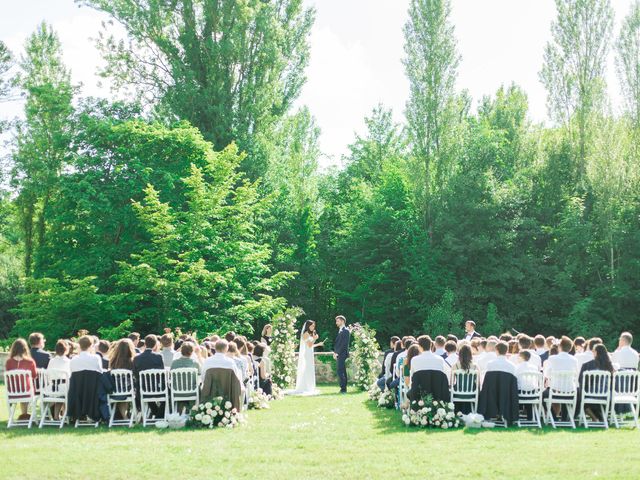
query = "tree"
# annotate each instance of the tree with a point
(431, 65)
(230, 68)
(628, 62)
(574, 67)
(43, 138)
(6, 63)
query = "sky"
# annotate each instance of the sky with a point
(356, 55)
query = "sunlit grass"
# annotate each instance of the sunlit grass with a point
(329, 436)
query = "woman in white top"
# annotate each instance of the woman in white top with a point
(60, 361)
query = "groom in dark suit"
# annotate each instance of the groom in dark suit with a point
(341, 351)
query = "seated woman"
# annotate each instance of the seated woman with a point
(264, 379)
(414, 351)
(234, 354)
(61, 361)
(185, 360)
(464, 364)
(121, 358)
(601, 361)
(20, 359)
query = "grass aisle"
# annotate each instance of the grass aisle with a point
(329, 436)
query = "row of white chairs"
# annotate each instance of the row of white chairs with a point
(601, 389)
(52, 388)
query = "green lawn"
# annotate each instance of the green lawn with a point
(329, 437)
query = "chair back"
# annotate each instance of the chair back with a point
(563, 383)
(596, 384)
(19, 384)
(464, 382)
(122, 380)
(530, 384)
(626, 383)
(39, 380)
(184, 381)
(54, 383)
(153, 382)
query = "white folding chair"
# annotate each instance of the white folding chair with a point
(530, 393)
(596, 390)
(625, 391)
(464, 388)
(563, 390)
(184, 387)
(19, 389)
(54, 390)
(123, 392)
(153, 388)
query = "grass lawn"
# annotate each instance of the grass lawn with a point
(329, 436)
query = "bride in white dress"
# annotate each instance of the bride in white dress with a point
(306, 378)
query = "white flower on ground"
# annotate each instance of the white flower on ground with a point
(228, 405)
(206, 420)
(421, 403)
(207, 405)
(199, 417)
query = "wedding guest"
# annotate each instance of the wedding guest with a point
(401, 359)
(103, 353)
(86, 359)
(587, 354)
(167, 352)
(470, 330)
(478, 347)
(265, 337)
(452, 338)
(229, 336)
(540, 346)
(465, 361)
(550, 341)
(37, 341)
(513, 350)
(601, 361)
(246, 359)
(390, 363)
(264, 379)
(413, 351)
(135, 338)
(506, 337)
(186, 357)
(439, 344)
(451, 356)
(563, 361)
(525, 343)
(625, 357)
(60, 361)
(122, 356)
(73, 349)
(428, 360)
(501, 363)
(234, 355)
(20, 359)
(488, 356)
(525, 365)
(387, 353)
(579, 344)
(221, 360)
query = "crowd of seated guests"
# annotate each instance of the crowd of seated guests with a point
(513, 355)
(248, 360)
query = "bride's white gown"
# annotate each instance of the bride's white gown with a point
(306, 377)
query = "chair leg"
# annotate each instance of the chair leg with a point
(550, 415)
(133, 414)
(33, 413)
(43, 414)
(634, 411)
(112, 408)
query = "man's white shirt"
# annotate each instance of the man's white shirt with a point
(625, 357)
(220, 360)
(86, 361)
(429, 361)
(501, 364)
(484, 360)
(583, 357)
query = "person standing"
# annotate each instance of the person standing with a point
(341, 351)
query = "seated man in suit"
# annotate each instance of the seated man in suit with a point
(37, 341)
(149, 359)
(103, 352)
(385, 372)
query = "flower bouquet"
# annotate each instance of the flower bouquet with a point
(277, 393)
(173, 420)
(258, 399)
(215, 413)
(429, 413)
(386, 399)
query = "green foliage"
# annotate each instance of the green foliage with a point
(117, 332)
(444, 318)
(230, 68)
(364, 354)
(493, 324)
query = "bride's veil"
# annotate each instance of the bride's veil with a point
(301, 350)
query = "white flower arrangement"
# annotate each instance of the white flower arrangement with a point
(429, 413)
(277, 393)
(215, 413)
(258, 400)
(374, 392)
(365, 355)
(283, 347)
(386, 399)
